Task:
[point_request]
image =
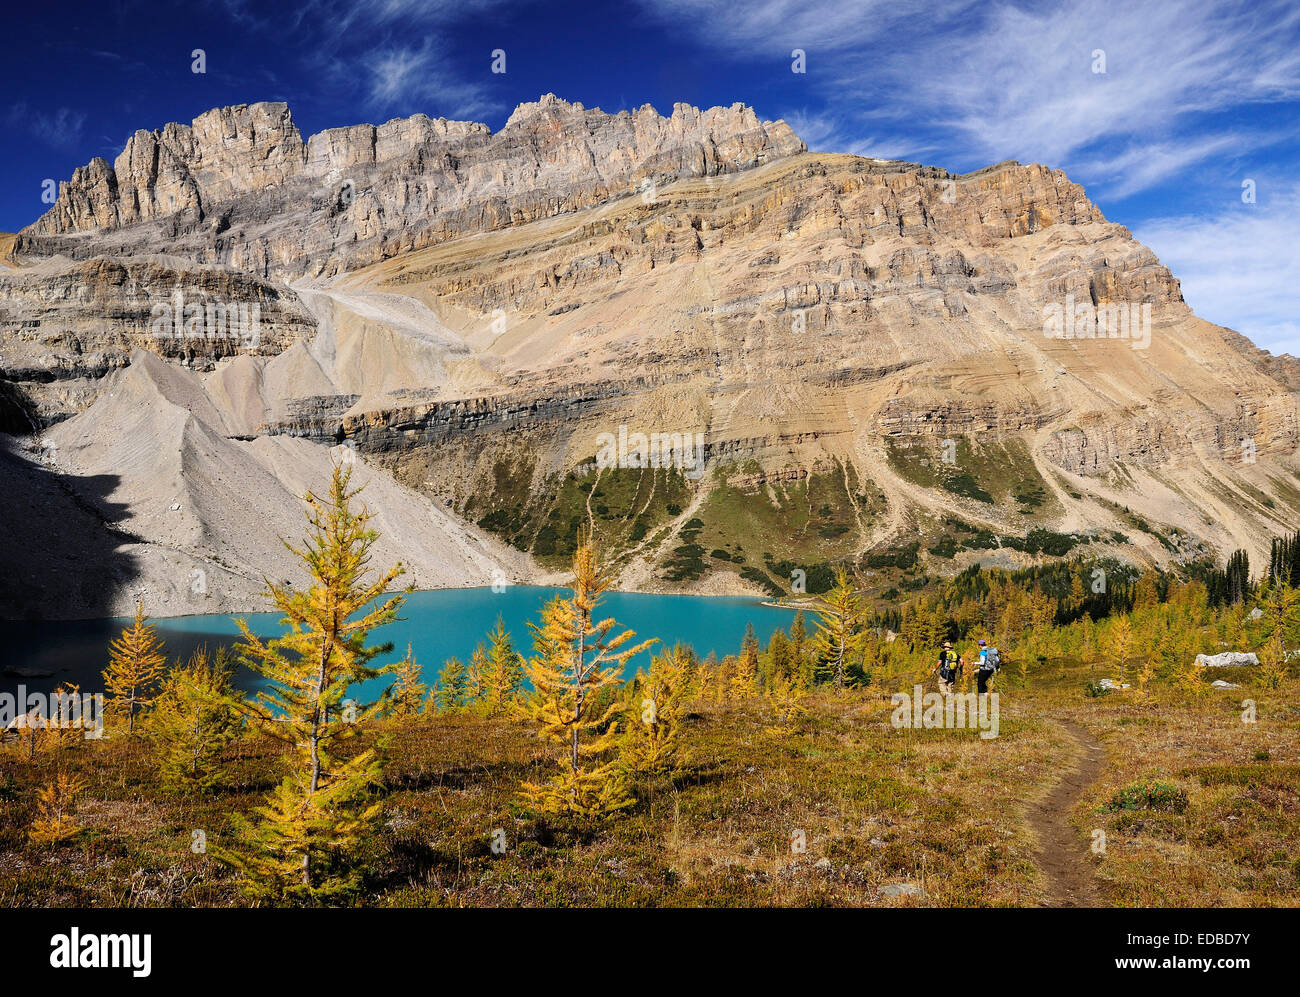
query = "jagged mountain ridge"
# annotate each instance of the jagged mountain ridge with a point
(829, 323)
(349, 196)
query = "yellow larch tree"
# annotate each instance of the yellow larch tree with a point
(193, 720)
(1120, 642)
(407, 697)
(744, 679)
(839, 626)
(55, 820)
(654, 704)
(1278, 626)
(476, 677)
(576, 659)
(503, 670)
(787, 698)
(298, 847)
(449, 691)
(135, 664)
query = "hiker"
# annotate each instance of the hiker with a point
(988, 661)
(949, 669)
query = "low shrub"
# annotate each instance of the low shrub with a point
(1150, 794)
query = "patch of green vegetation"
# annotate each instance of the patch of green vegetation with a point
(903, 558)
(808, 521)
(1285, 490)
(965, 486)
(761, 578)
(818, 578)
(993, 471)
(1140, 523)
(504, 510)
(1277, 777)
(501, 520)
(1044, 542)
(1259, 496)
(1149, 794)
(1031, 496)
(982, 540)
(1036, 541)
(687, 560)
(946, 547)
(626, 505)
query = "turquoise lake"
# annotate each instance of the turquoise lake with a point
(438, 625)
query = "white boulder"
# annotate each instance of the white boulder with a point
(1228, 659)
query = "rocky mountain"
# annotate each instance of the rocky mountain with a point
(882, 363)
(240, 186)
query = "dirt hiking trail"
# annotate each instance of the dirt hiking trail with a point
(1063, 855)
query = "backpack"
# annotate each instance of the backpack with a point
(992, 660)
(947, 665)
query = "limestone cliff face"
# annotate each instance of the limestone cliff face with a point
(64, 325)
(476, 310)
(239, 185)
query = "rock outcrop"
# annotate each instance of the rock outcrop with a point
(1227, 659)
(64, 325)
(239, 186)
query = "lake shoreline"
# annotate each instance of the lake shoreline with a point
(740, 592)
(715, 586)
(438, 623)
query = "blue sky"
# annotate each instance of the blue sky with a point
(1195, 100)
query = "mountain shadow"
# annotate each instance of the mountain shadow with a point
(61, 550)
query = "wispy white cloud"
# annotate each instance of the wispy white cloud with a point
(397, 73)
(825, 27)
(407, 76)
(1137, 167)
(1025, 83)
(1238, 266)
(365, 47)
(60, 128)
(832, 132)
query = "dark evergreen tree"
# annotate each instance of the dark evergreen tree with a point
(1284, 559)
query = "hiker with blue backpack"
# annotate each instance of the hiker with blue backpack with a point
(987, 663)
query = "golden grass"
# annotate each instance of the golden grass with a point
(941, 810)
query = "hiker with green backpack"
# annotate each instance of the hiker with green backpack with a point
(987, 663)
